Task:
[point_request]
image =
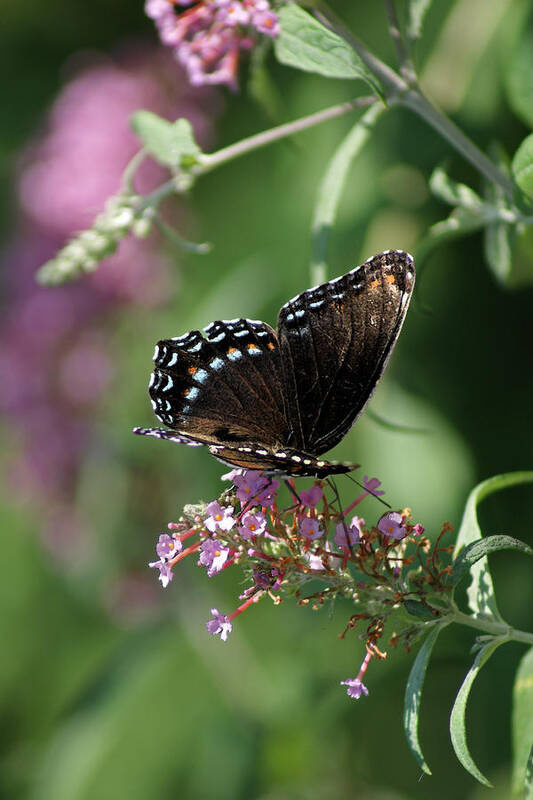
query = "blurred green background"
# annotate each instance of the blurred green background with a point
(110, 686)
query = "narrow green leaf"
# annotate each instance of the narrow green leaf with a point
(413, 695)
(519, 80)
(498, 244)
(522, 165)
(522, 725)
(457, 717)
(170, 143)
(304, 43)
(415, 18)
(452, 192)
(481, 599)
(332, 185)
(471, 554)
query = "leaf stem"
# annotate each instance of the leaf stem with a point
(494, 628)
(399, 92)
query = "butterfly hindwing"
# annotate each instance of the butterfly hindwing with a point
(335, 341)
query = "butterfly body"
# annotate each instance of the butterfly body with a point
(276, 401)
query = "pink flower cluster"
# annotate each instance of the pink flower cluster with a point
(209, 37)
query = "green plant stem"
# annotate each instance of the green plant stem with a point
(494, 628)
(214, 160)
(399, 92)
(225, 154)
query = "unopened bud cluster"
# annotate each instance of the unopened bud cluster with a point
(82, 254)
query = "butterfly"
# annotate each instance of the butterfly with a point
(276, 401)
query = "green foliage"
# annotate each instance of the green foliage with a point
(481, 597)
(417, 10)
(473, 552)
(332, 184)
(519, 79)
(172, 144)
(304, 43)
(413, 695)
(457, 717)
(523, 727)
(522, 165)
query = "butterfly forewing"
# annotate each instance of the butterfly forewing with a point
(335, 341)
(221, 387)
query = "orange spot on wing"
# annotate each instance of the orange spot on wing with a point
(390, 279)
(252, 346)
(192, 370)
(271, 345)
(374, 284)
(231, 350)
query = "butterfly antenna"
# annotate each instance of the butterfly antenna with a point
(333, 486)
(369, 491)
(292, 490)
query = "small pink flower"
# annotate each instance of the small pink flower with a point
(310, 528)
(355, 687)
(392, 525)
(220, 625)
(311, 498)
(266, 22)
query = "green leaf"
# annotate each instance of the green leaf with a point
(304, 43)
(481, 599)
(522, 165)
(456, 194)
(519, 80)
(415, 18)
(457, 717)
(170, 143)
(498, 244)
(333, 183)
(417, 609)
(413, 694)
(471, 554)
(522, 725)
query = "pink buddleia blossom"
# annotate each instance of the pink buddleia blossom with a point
(219, 518)
(213, 556)
(355, 687)
(310, 528)
(220, 625)
(311, 498)
(208, 37)
(392, 525)
(252, 525)
(348, 535)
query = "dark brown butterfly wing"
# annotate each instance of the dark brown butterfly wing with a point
(335, 341)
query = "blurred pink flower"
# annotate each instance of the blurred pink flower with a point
(57, 351)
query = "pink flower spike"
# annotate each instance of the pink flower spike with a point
(219, 625)
(392, 525)
(355, 687)
(418, 529)
(310, 528)
(168, 546)
(311, 498)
